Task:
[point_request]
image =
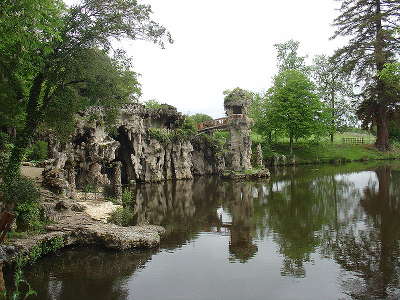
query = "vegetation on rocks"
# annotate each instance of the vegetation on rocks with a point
(165, 136)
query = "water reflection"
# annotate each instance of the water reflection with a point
(347, 215)
(372, 252)
(86, 274)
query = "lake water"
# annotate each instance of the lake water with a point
(317, 232)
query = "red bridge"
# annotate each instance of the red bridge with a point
(220, 123)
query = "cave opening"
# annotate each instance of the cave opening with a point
(124, 154)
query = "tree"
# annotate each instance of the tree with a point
(27, 28)
(199, 118)
(71, 69)
(335, 89)
(371, 26)
(288, 58)
(295, 108)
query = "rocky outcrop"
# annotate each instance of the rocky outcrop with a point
(146, 145)
(142, 147)
(73, 225)
(207, 158)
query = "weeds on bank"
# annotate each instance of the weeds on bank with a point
(21, 289)
(124, 215)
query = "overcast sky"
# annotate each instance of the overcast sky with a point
(223, 44)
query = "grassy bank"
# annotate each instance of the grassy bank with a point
(327, 152)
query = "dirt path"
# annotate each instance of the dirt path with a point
(32, 172)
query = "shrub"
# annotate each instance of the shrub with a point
(38, 151)
(4, 140)
(123, 216)
(5, 154)
(25, 195)
(153, 104)
(160, 134)
(127, 198)
(186, 131)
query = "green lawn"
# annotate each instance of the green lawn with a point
(325, 151)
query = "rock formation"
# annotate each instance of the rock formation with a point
(236, 106)
(146, 145)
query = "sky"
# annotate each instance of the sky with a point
(223, 44)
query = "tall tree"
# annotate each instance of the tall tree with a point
(288, 57)
(371, 26)
(73, 68)
(336, 90)
(294, 107)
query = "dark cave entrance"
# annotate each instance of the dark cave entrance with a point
(123, 154)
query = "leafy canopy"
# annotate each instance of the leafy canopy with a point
(294, 107)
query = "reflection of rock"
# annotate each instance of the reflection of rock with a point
(104, 272)
(241, 244)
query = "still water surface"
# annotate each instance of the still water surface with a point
(320, 232)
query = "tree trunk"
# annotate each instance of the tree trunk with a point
(23, 138)
(333, 114)
(381, 114)
(382, 136)
(291, 145)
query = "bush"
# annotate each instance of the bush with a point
(122, 217)
(154, 104)
(5, 156)
(127, 198)
(186, 131)
(38, 151)
(4, 140)
(25, 195)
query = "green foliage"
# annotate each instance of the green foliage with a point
(372, 42)
(294, 108)
(5, 154)
(22, 189)
(38, 151)
(4, 140)
(199, 118)
(127, 198)
(123, 216)
(90, 188)
(258, 111)
(307, 153)
(21, 289)
(237, 95)
(288, 58)
(28, 216)
(46, 247)
(183, 133)
(24, 193)
(335, 88)
(215, 141)
(68, 64)
(160, 134)
(153, 104)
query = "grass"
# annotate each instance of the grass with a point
(326, 151)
